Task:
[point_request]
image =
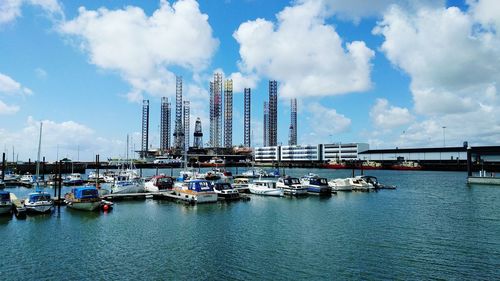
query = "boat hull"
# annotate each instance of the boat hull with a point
(295, 191)
(84, 206)
(5, 207)
(267, 191)
(197, 197)
(320, 190)
(127, 187)
(39, 207)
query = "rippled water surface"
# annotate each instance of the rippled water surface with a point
(433, 226)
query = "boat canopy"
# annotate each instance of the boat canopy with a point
(4, 195)
(38, 196)
(222, 186)
(290, 181)
(85, 192)
(200, 185)
(318, 181)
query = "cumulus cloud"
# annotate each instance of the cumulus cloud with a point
(142, 48)
(11, 9)
(355, 10)
(69, 137)
(306, 55)
(12, 87)
(389, 117)
(6, 109)
(242, 81)
(323, 122)
(453, 60)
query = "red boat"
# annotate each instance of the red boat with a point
(334, 164)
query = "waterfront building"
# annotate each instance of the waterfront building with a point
(343, 151)
(416, 154)
(316, 153)
(246, 119)
(267, 154)
(301, 152)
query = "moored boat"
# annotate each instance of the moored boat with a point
(73, 179)
(5, 202)
(340, 184)
(291, 186)
(316, 185)
(241, 184)
(197, 191)
(83, 198)
(226, 191)
(39, 202)
(407, 165)
(159, 183)
(371, 165)
(265, 187)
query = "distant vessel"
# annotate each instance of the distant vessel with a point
(407, 165)
(83, 198)
(335, 164)
(371, 165)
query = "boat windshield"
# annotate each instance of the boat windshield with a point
(222, 186)
(5, 196)
(165, 180)
(318, 181)
(200, 186)
(39, 197)
(290, 181)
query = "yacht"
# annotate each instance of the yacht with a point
(340, 184)
(197, 191)
(291, 186)
(5, 202)
(241, 184)
(83, 198)
(127, 184)
(316, 185)
(226, 191)
(265, 187)
(159, 183)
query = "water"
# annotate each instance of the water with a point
(432, 227)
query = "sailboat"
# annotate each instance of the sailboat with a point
(39, 201)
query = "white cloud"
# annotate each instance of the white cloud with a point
(41, 73)
(241, 81)
(303, 53)
(12, 87)
(453, 60)
(11, 9)
(322, 122)
(357, 9)
(143, 48)
(6, 109)
(69, 137)
(389, 117)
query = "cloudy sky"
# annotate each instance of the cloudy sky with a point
(389, 73)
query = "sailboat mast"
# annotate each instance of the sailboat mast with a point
(38, 157)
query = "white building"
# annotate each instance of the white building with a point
(267, 153)
(416, 154)
(343, 151)
(301, 153)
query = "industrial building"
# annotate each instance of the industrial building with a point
(228, 113)
(198, 134)
(186, 113)
(273, 113)
(292, 139)
(179, 129)
(216, 111)
(165, 120)
(416, 154)
(265, 141)
(145, 128)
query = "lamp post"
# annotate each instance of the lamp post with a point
(444, 136)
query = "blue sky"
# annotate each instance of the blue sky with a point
(389, 73)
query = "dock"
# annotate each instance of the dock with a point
(19, 209)
(483, 180)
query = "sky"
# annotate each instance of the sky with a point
(407, 73)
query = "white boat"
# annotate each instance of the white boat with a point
(340, 184)
(159, 183)
(126, 184)
(5, 202)
(316, 185)
(27, 178)
(84, 198)
(93, 177)
(109, 176)
(265, 187)
(39, 201)
(241, 184)
(197, 191)
(291, 186)
(73, 179)
(226, 191)
(359, 184)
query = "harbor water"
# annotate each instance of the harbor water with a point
(433, 226)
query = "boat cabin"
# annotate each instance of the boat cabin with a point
(266, 183)
(38, 196)
(289, 181)
(85, 192)
(200, 186)
(163, 182)
(4, 196)
(318, 181)
(222, 186)
(241, 181)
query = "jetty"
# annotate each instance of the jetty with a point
(18, 208)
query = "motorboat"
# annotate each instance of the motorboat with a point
(127, 184)
(316, 184)
(39, 202)
(226, 191)
(94, 177)
(159, 183)
(291, 186)
(241, 184)
(73, 179)
(375, 183)
(109, 176)
(83, 198)
(265, 187)
(5, 202)
(359, 184)
(27, 178)
(254, 173)
(197, 191)
(340, 184)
